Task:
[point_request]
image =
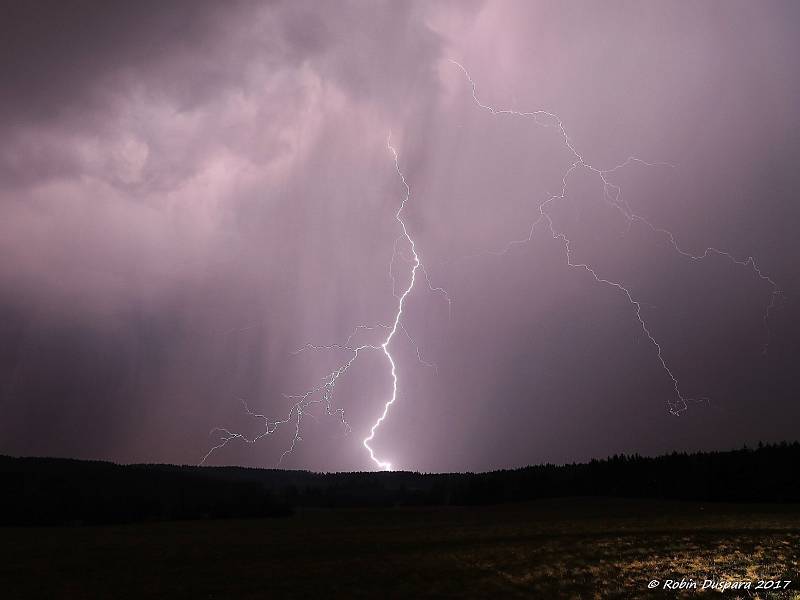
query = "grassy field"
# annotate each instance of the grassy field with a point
(574, 548)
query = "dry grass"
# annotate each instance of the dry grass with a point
(554, 549)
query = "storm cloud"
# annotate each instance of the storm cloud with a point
(191, 191)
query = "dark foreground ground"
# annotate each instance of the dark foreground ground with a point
(574, 548)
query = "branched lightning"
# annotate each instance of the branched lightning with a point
(612, 194)
(323, 393)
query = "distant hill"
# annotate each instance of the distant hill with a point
(37, 491)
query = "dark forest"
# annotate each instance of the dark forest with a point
(51, 491)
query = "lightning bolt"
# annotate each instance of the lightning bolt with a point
(323, 393)
(415, 265)
(612, 194)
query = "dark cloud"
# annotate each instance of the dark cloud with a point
(68, 58)
(191, 191)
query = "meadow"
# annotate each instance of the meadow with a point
(555, 548)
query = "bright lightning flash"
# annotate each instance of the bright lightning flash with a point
(612, 194)
(323, 394)
(401, 301)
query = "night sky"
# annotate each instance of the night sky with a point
(192, 191)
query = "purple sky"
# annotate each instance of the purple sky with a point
(190, 191)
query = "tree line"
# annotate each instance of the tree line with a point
(37, 491)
